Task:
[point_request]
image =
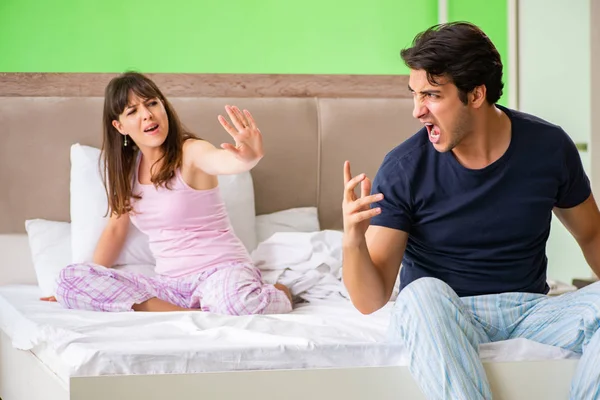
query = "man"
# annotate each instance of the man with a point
(465, 205)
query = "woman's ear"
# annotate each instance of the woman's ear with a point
(118, 126)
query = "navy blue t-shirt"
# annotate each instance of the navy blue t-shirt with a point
(481, 231)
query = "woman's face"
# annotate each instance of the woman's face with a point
(145, 121)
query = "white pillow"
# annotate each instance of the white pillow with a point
(238, 195)
(302, 219)
(50, 245)
(89, 205)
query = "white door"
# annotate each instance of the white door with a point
(554, 84)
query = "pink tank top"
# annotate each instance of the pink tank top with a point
(189, 230)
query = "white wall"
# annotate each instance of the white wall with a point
(595, 90)
(554, 83)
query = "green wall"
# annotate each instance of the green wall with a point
(208, 36)
(492, 17)
(235, 36)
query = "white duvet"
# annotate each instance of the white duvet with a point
(310, 264)
(320, 335)
(325, 333)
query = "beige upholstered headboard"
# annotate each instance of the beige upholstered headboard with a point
(310, 125)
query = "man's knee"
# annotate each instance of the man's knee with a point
(587, 300)
(591, 289)
(425, 288)
(426, 299)
(421, 304)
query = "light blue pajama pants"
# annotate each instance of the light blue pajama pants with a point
(442, 333)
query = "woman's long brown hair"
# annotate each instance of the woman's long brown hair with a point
(119, 160)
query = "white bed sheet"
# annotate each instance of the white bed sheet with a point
(320, 335)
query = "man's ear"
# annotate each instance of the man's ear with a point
(477, 96)
(118, 126)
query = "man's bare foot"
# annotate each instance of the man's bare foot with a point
(285, 290)
(157, 305)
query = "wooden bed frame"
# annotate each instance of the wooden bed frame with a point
(326, 119)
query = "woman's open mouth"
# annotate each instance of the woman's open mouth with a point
(151, 130)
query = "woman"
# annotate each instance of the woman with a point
(164, 180)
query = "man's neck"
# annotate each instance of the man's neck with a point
(488, 140)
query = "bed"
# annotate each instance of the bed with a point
(324, 350)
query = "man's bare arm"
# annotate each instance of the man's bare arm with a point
(371, 268)
(583, 221)
(371, 254)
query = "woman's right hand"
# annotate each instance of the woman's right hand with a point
(357, 211)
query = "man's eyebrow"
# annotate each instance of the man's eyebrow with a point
(432, 91)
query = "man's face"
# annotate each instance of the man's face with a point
(440, 109)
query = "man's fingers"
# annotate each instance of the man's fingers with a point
(364, 215)
(352, 183)
(49, 298)
(365, 187)
(358, 210)
(366, 201)
(362, 204)
(347, 174)
(349, 194)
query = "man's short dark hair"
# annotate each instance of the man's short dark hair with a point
(460, 52)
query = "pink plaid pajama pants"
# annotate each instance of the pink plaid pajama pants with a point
(233, 289)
